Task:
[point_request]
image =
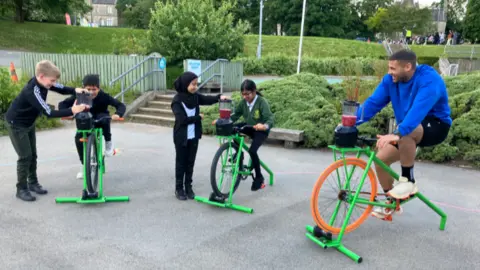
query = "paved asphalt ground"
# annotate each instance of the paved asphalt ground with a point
(156, 231)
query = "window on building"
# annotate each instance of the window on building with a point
(110, 10)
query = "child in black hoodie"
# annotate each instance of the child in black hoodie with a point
(187, 130)
(100, 103)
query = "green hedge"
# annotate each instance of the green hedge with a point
(307, 102)
(283, 65)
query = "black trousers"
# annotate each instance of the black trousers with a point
(184, 163)
(105, 125)
(25, 144)
(258, 138)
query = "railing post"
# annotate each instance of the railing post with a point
(221, 76)
(121, 88)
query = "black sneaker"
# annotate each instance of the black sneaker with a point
(25, 195)
(258, 183)
(37, 188)
(180, 194)
(190, 193)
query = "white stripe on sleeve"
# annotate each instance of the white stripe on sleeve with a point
(36, 91)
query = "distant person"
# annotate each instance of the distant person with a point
(21, 117)
(187, 130)
(100, 102)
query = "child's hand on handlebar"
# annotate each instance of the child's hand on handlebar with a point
(214, 122)
(223, 98)
(78, 108)
(201, 115)
(115, 117)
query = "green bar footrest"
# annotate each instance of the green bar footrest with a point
(97, 200)
(332, 243)
(224, 205)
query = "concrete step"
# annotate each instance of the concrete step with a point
(160, 104)
(152, 119)
(164, 98)
(156, 111)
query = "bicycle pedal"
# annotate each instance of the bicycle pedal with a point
(388, 218)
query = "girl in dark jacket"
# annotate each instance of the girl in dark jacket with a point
(187, 130)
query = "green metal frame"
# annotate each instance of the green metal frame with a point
(353, 199)
(97, 134)
(236, 171)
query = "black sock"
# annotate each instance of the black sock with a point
(386, 191)
(408, 173)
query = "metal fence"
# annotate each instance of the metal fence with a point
(75, 66)
(232, 72)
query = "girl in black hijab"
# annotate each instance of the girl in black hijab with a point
(187, 130)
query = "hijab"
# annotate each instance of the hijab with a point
(181, 85)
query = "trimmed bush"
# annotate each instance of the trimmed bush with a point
(283, 65)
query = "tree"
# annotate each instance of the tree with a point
(195, 29)
(135, 13)
(44, 9)
(397, 17)
(472, 21)
(455, 13)
(328, 18)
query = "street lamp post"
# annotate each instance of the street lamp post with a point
(301, 37)
(259, 48)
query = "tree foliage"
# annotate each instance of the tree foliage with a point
(43, 10)
(397, 17)
(195, 29)
(472, 21)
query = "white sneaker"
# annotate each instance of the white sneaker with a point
(403, 189)
(109, 150)
(80, 173)
(384, 213)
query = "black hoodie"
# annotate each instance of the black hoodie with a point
(190, 100)
(31, 103)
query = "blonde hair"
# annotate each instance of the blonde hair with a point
(47, 68)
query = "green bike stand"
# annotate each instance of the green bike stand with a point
(325, 240)
(100, 198)
(228, 203)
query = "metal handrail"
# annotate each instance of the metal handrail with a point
(216, 74)
(123, 90)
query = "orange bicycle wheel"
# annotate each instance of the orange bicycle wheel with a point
(335, 168)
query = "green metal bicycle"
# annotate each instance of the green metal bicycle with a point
(230, 155)
(356, 197)
(93, 162)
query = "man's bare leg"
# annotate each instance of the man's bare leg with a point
(407, 146)
(389, 155)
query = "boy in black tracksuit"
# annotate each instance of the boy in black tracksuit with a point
(20, 122)
(187, 130)
(100, 103)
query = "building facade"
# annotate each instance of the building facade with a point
(104, 13)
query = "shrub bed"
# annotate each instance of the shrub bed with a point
(283, 65)
(307, 102)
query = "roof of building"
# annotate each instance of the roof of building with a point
(104, 2)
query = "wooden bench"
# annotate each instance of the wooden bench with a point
(290, 137)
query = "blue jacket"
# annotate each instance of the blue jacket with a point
(424, 95)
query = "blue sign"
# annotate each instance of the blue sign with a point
(162, 63)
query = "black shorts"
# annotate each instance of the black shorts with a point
(434, 132)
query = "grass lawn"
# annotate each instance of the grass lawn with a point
(56, 38)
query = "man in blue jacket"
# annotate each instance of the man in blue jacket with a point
(420, 103)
